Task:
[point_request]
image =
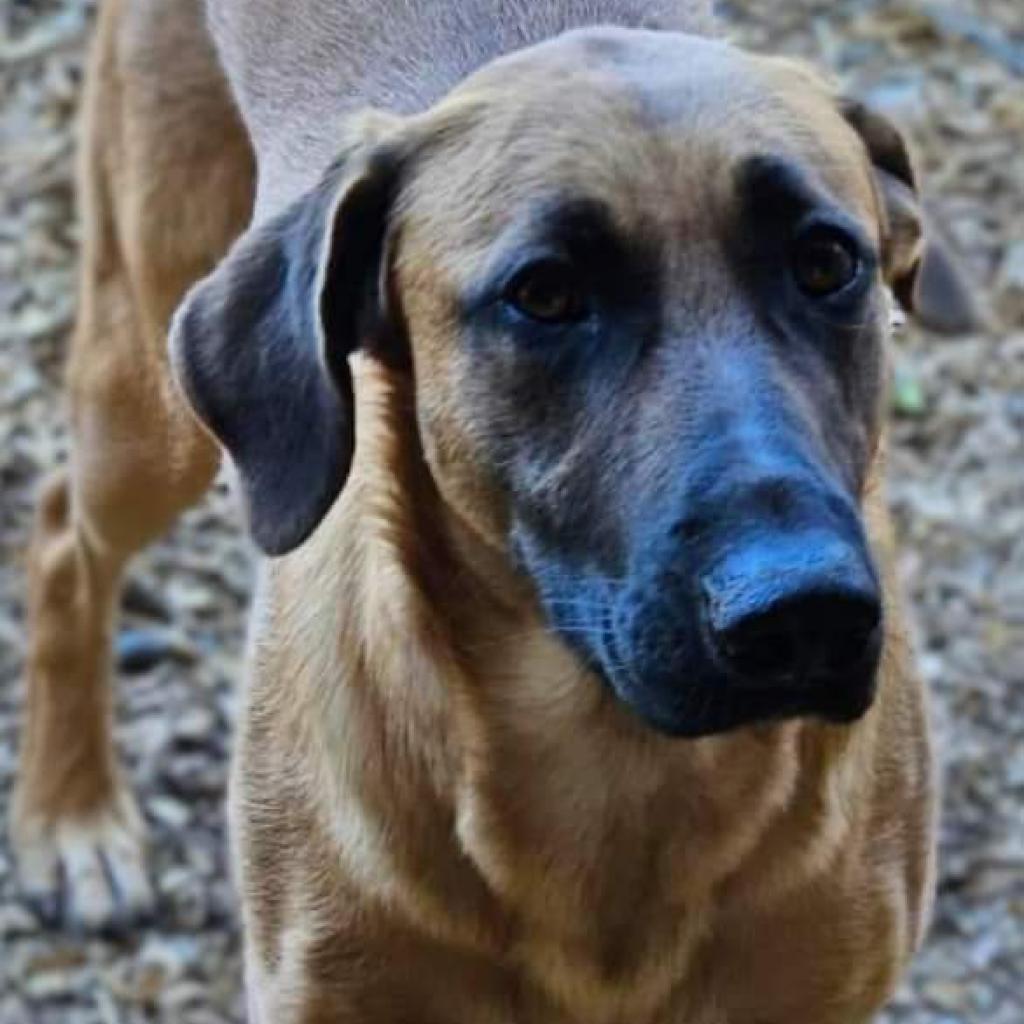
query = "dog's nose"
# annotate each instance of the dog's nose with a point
(790, 618)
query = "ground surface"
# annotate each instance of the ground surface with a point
(954, 74)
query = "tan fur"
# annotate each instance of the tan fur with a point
(458, 801)
(437, 814)
(161, 199)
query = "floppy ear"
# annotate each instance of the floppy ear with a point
(260, 346)
(919, 262)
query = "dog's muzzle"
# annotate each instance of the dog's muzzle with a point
(762, 603)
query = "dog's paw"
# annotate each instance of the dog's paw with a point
(86, 874)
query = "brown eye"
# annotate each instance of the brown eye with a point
(824, 261)
(548, 291)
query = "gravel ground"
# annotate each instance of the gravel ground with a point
(954, 76)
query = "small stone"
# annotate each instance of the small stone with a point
(143, 985)
(139, 650)
(186, 897)
(185, 995)
(908, 395)
(25, 382)
(172, 953)
(1011, 270)
(61, 958)
(195, 774)
(141, 599)
(13, 1009)
(16, 921)
(197, 723)
(901, 98)
(61, 975)
(168, 811)
(947, 995)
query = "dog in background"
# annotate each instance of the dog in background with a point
(551, 363)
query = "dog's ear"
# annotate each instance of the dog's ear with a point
(261, 345)
(919, 263)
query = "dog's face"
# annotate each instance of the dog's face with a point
(639, 281)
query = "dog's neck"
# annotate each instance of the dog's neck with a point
(508, 801)
(297, 70)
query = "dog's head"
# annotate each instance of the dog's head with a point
(638, 280)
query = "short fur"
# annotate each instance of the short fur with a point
(439, 813)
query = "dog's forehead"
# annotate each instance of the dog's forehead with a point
(641, 122)
(664, 75)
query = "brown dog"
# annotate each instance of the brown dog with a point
(585, 696)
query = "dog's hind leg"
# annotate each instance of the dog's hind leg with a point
(165, 184)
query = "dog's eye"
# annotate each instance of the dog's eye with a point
(549, 291)
(824, 261)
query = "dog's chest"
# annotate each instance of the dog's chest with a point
(608, 868)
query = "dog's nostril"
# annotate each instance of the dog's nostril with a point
(762, 649)
(845, 649)
(801, 639)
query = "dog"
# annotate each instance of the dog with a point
(547, 342)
